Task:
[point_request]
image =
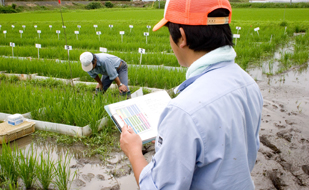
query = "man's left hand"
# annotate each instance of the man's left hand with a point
(130, 142)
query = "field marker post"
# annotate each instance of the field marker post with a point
(0, 27)
(35, 26)
(110, 26)
(4, 32)
(58, 32)
(79, 26)
(103, 50)
(257, 30)
(76, 32)
(39, 32)
(38, 46)
(285, 30)
(141, 51)
(121, 33)
(12, 27)
(148, 26)
(67, 47)
(146, 34)
(12, 45)
(130, 26)
(95, 27)
(270, 38)
(21, 33)
(98, 33)
(238, 28)
(236, 36)
(24, 27)
(50, 27)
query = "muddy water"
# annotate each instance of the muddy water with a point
(282, 161)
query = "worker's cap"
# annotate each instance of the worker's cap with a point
(86, 59)
(194, 12)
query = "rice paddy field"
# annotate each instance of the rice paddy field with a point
(263, 34)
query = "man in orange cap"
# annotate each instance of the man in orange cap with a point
(208, 135)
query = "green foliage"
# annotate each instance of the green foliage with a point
(93, 5)
(283, 23)
(7, 9)
(26, 168)
(109, 4)
(9, 163)
(45, 170)
(63, 173)
(14, 6)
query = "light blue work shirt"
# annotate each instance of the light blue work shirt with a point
(208, 135)
(106, 65)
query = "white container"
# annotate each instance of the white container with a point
(15, 119)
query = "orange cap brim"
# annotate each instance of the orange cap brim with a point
(159, 24)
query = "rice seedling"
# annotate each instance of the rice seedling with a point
(9, 164)
(63, 174)
(45, 170)
(27, 167)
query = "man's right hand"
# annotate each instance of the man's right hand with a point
(100, 86)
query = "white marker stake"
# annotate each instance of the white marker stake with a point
(64, 27)
(4, 32)
(0, 27)
(50, 27)
(95, 27)
(121, 33)
(58, 32)
(285, 30)
(39, 32)
(98, 33)
(76, 32)
(110, 26)
(21, 33)
(67, 47)
(146, 34)
(270, 38)
(103, 50)
(141, 51)
(13, 27)
(148, 26)
(79, 26)
(38, 46)
(130, 26)
(35, 26)
(24, 27)
(257, 30)
(12, 45)
(236, 36)
(238, 28)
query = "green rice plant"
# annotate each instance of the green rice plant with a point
(27, 167)
(45, 170)
(63, 174)
(9, 164)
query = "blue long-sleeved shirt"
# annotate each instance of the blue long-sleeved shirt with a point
(208, 135)
(106, 65)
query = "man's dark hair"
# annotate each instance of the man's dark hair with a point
(204, 37)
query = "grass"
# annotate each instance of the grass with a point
(45, 170)
(27, 167)
(63, 174)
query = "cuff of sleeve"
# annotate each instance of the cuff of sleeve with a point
(145, 178)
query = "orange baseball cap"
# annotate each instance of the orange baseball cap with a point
(194, 12)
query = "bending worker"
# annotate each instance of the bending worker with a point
(208, 136)
(111, 68)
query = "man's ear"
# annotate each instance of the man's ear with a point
(182, 42)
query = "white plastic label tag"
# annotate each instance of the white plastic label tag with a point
(141, 50)
(38, 45)
(67, 47)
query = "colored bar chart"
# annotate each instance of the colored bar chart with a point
(134, 118)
